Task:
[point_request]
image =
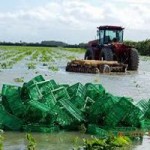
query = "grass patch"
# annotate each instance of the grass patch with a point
(71, 57)
(53, 68)
(76, 50)
(31, 142)
(1, 142)
(31, 65)
(19, 79)
(110, 143)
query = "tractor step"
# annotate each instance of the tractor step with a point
(95, 66)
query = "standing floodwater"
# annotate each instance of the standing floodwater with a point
(24, 66)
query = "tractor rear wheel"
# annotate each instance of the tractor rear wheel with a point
(133, 60)
(107, 54)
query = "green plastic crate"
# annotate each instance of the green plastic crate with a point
(10, 121)
(37, 112)
(24, 91)
(61, 117)
(49, 100)
(115, 116)
(126, 104)
(102, 107)
(134, 117)
(46, 86)
(97, 131)
(120, 112)
(145, 124)
(78, 102)
(11, 99)
(76, 90)
(100, 88)
(60, 93)
(143, 105)
(38, 90)
(14, 102)
(93, 92)
(74, 112)
(147, 113)
(36, 79)
(9, 90)
(34, 92)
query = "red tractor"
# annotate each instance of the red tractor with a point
(110, 47)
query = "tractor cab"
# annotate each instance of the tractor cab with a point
(108, 34)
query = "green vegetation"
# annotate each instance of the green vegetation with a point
(110, 143)
(19, 79)
(54, 68)
(31, 65)
(10, 55)
(1, 142)
(31, 142)
(143, 47)
(71, 57)
(77, 50)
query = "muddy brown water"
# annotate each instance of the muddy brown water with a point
(130, 84)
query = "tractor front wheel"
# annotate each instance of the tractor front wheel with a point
(133, 60)
(107, 54)
(89, 54)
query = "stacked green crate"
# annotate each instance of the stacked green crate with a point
(37, 112)
(118, 112)
(49, 100)
(38, 90)
(95, 130)
(94, 91)
(77, 93)
(60, 93)
(145, 124)
(24, 90)
(71, 110)
(102, 106)
(9, 121)
(34, 92)
(46, 86)
(143, 105)
(12, 100)
(134, 117)
(147, 114)
(60, 116)
(36, 79)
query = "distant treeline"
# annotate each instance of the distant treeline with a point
(143, 47)
(45, 44)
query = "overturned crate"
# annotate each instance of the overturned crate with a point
(9, 121)
(11, 100)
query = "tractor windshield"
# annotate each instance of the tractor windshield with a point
(107, 36)
(113, 34)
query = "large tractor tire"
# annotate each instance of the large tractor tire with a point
(107, 54)
(133, 60)
(88, 54)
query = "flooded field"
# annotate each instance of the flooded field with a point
(20, 64)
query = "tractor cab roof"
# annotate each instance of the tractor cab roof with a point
(110, 28)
